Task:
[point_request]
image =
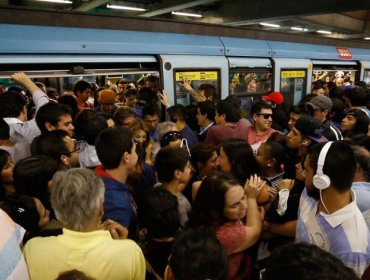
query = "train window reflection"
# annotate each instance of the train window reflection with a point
(192, 86)
(293, 85)
(249, 85)
(367, 77)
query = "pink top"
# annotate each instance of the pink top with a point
(219, 133)
(231, 236)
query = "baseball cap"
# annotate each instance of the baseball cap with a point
(275, 97)
(310, 127)
(321, 102)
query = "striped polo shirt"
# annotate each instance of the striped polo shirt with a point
(12, 264)
(343, 233)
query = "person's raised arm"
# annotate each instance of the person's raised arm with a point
(24, 80)
(255, 215)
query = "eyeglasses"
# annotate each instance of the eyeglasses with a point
(265, 116)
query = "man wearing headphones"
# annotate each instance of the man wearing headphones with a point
(328, 215)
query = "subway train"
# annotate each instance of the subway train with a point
(58, 56)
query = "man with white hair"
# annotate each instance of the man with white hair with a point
(77, 198)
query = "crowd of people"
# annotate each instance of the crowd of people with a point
(116, 183)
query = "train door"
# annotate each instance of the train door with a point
(292, 78)
(341, 72)
(249, 79)
(365, 72)
(197, 69)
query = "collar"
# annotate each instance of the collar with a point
(12, 120)
(202, 130)
(340, 216)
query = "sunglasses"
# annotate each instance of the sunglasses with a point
(169, 137)
(265, 116)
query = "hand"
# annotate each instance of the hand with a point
(187, 84)
(272, 192)
(21, 78)
(286, 184)
(164, 98)
(117, 231)
(253, 186)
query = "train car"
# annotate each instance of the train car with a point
(58, 56)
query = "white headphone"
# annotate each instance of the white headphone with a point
(320, 180)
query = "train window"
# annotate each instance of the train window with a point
(293, 85)
(367, 77)
(197, 79)
(334, 74)
(249, 85)
(63, 76)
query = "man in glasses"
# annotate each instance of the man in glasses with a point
(59, 146)
(261, 129)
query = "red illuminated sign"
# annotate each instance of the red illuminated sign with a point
(344, 53)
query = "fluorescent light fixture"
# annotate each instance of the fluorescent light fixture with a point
(367, 38)
(299, 29)
(119, 7)
(57, 1)
(270, 24)
(323, 31)
(186, 14)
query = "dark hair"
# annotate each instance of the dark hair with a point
(4, 130)
(276, 151)
(130, 92)
(111, 144)
(122, 113)
(301, 109)
(51, 113)
(207, 108)
(209, 204)
(241, 157)
(73, 275)
(177, 112)
(50, 91)
(198, 255)
(230, 109)
(158, 212)
(32, 175)
(4, 158)
(121, 81)
(363, 158)
(356, 96)
(11, 104)
(150, 110)
(81, 86)
(209, 91)
(92, 128)
(151, 78)
(22, 209)
(71, 102)
(168, 160)
(201, 153)
(258, 106)
(80, 121)
(337, 111)
(305, 262)
(52, 144)
(339, 166)
(362, 122)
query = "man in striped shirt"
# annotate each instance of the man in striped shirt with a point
(329, 217)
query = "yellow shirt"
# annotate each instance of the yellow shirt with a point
(94, 253)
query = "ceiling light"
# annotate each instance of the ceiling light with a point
(186, 14)
(299, 29)
(323, 31)
(367, 38)
(57, 1)
(270, 24)
(119, 7)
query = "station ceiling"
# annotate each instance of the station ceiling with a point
(340, 19)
